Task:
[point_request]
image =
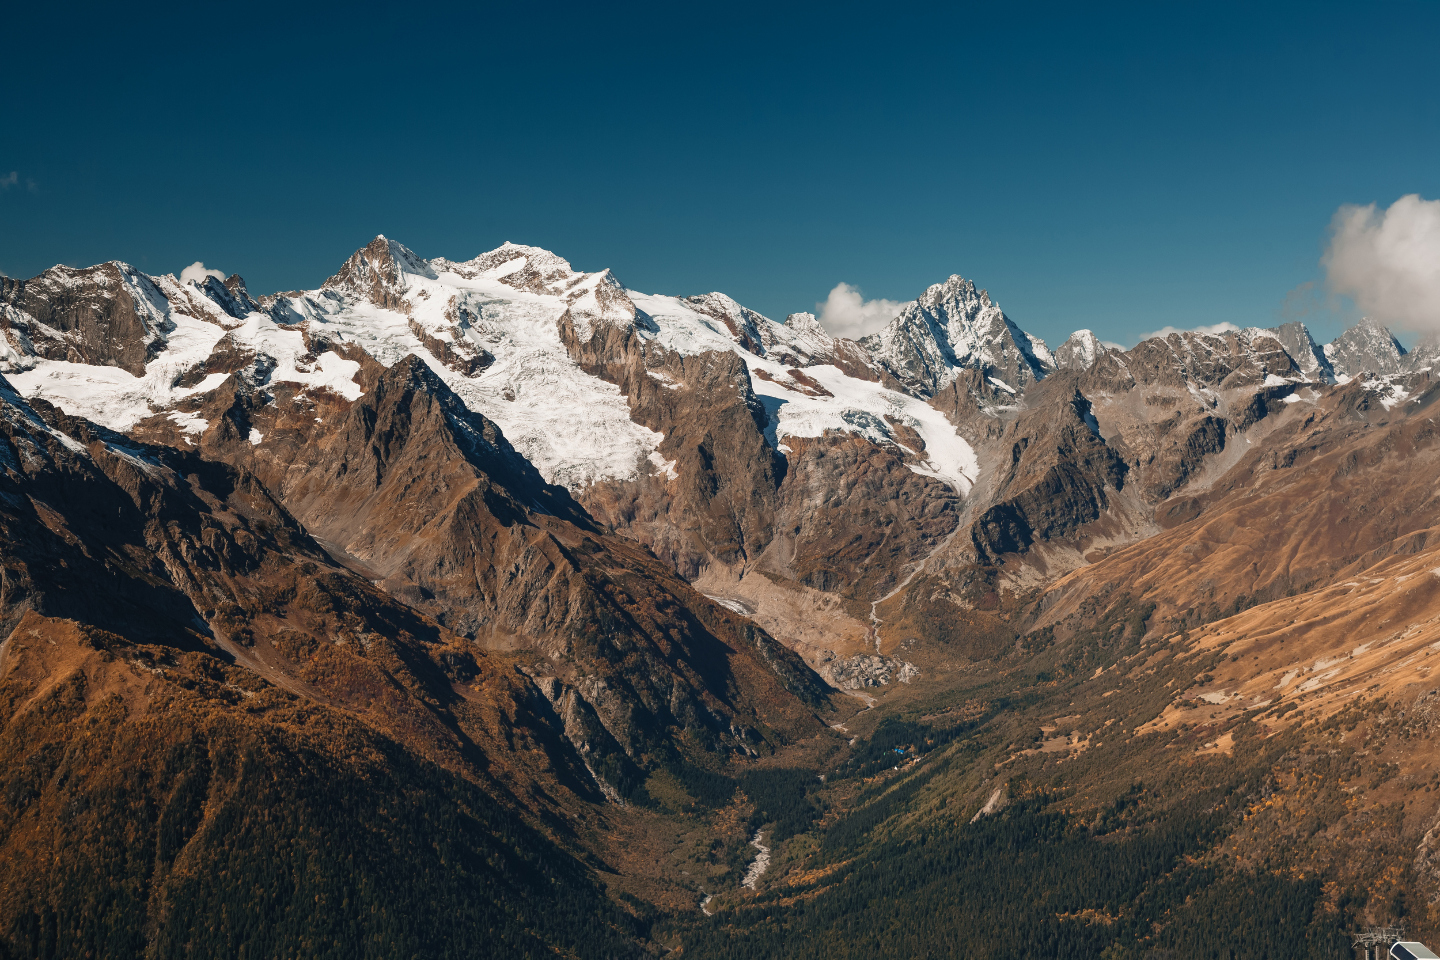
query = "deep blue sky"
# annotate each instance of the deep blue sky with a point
(1122, 169)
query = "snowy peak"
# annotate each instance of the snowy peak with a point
(534, 270)
(802, 335)
(521, 267)
(1368, 347)
(376, 273)
(953, 326)
(1079, 352)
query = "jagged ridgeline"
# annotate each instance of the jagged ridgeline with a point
(491, 608)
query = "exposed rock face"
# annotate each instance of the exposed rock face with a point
(852, 518)
(713, 500)
(432, 503)
(1225, 362)
(953, 325)
(1307, 354)
(837, 513)
(1322, 500)
(1060, 475)
(1367, 347)
(976, 405)
(108, 315)
(1169, 405)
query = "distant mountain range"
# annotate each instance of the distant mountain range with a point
(577, 587)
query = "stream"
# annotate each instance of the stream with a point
(760, 864)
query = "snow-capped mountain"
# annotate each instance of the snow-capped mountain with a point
(953, 326)
(116, 346)
(1079, 352)
(1367, 347)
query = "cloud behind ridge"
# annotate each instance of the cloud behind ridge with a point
(1388, 262)
(846, 312)
(197, 273)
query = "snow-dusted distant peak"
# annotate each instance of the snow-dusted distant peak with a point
(807, 325)
(520, 267)
(1367, 347)
(1426, 355)
(955, 295)
(1079, 352)
(598, 296)
(532, 269)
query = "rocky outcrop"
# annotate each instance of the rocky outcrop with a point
(376, 274)
(1307, 354)
(1060, 474)
(978, 407)
(108, 315)
(1425, 356)
(852, 518)
(1227, 361)
(866, 670)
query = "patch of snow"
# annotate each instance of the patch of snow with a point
(666, 468)
(1314, 682)
(189, 422)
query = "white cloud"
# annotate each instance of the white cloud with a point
(1212, 330)
(196, 273)
(9, 180)
(1388, 263)
(846, 313)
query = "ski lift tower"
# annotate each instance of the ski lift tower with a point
(1375, 942)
